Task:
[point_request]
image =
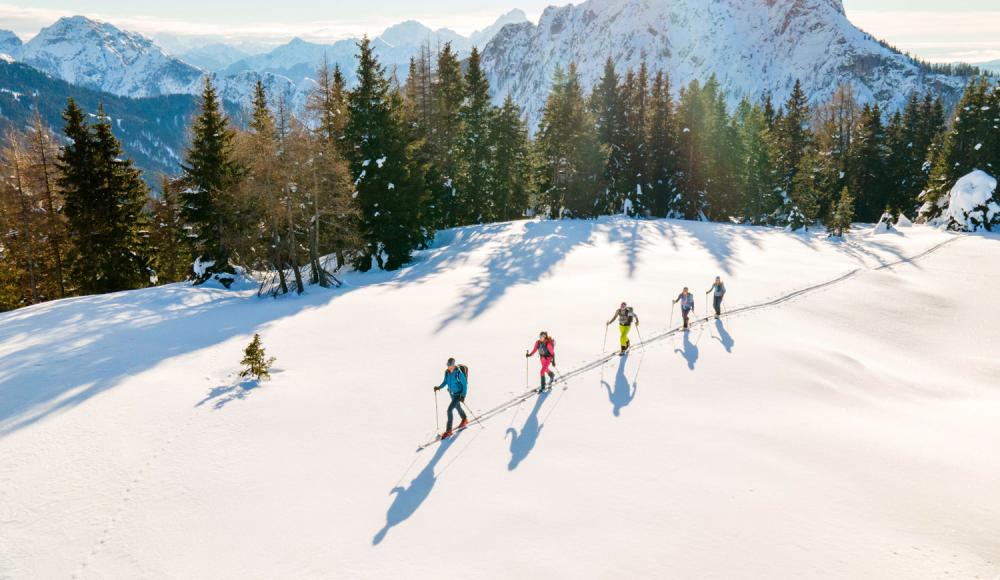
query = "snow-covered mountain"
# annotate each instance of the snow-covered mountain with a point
(299, 59)
(10, 44)
(100, 56)
(842, 425)
(213, 57)
(752, 46)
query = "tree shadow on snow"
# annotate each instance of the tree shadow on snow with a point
(222, 395)
(408, 499)
(522, 443)
(624, 391)
(543, 245)
(724, 337)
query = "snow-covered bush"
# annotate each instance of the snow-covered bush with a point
(884, 225)
(903, 222)
(971, 205)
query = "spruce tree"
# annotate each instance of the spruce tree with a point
(105, 197)
(792, 137)
(694, 141)
(870, 184)
(571, 179)
(255, 361)
(482, 204)
(211, 176)
(389, 184)
(510, 173)
(966, 146)
(607, 105)
(757, 173)
(662, 147)
(634, 182)
(168, 237)
(843, 214)
(444, 141)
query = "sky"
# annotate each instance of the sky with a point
(967, 30)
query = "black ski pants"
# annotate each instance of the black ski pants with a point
(456, 404)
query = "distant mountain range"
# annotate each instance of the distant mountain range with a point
(753, 47)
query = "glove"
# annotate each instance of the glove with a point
(462, 399)
(436, 389)
(553, 361)
(526, 355)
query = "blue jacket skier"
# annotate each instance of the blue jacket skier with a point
(687, 304)
(458, 386)
(718, 291)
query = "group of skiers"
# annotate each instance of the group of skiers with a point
(456, 375)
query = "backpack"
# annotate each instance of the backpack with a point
(465, 372)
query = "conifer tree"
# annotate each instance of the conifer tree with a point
(510, 173)
(105, 197)
(843, 214)
(211, 176)
(634, 182)
(571, 176)
(792, 137)
(694, 141)
(608, 109)
(255, 361)
(757, 173)
(869, 183)
(167, 235)
(389, 184)
(481, 203)
(444, 140)
(965, 147)
(662, 147)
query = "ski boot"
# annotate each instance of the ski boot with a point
(463, 424)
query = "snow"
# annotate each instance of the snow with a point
(847, 432)
(753, 48)
(971, 202)
(884, 225)
(903, 222)
(978, 146)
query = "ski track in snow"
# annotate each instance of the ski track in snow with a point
(700, 323)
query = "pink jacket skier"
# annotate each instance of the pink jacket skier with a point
(545, 346)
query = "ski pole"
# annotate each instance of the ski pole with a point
(474, 417)
(526, 372)
(642, 342)
(671, 325)
(437, 421)
(604, 345)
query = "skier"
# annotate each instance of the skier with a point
(719, 290)
(458, 387)
(687, 304)
(545, 346)
(625, 316)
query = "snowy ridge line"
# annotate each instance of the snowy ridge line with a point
(564, 377)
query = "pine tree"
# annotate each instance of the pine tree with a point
(211, 176)
(757, 173)
(634, 182)
(869, 182)
(255, 361)
(835, 128)
(105, 197)
(511, 171)
(571, 177)
(792, 137)
(608, 109)
(694, 140)
(843, 214)
(482, 204)
(444, 140)
(966, 146)
(168, 236)
(389, 184)
(662, 147)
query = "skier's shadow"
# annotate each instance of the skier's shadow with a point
(724, 337)
(623, 393)
(522, 443)
(409, 498)
(690, 350)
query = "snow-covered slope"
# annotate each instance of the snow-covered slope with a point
(752, 46)
(846, 432)
(99, 56)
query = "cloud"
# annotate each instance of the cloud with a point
(971, 36)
